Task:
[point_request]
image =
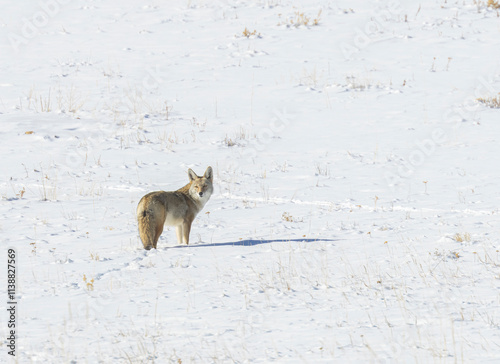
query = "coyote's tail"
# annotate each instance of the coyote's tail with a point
(146, 223)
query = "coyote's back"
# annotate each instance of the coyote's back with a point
(174, 208)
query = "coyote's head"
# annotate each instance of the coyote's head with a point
(201, 187)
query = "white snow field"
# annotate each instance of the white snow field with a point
(355, 148)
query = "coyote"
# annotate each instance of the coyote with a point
(174, 208)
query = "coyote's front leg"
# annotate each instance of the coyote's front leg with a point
(178, 232)
(186, 229)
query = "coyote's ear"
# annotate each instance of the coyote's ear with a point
(192, 175)
(209, 174)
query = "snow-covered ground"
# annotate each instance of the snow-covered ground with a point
(356, 208)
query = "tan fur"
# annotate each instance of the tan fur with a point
(174, 208)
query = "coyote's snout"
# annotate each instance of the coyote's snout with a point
(175, 208)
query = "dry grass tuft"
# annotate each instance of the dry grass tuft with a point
(493, 4)
(287, 217)
(247, 33)
(300, 19)
(88, 284)
(462, 237)
(493, 102)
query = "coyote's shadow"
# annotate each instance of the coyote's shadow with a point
(252, 242)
